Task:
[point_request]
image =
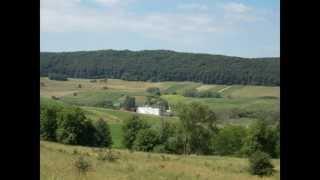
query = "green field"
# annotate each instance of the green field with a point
(56, 162)
(246, 97)
(63, 88)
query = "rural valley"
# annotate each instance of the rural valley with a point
(234, 110)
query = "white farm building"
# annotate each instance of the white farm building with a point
(149, 110)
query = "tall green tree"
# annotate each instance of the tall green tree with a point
(131, 127)
(146, 140)
(261, 137)
(103, 134)
(48, 123)
(229, 140)
(199, 124)
(71, 126)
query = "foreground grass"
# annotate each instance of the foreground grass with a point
(56, 162)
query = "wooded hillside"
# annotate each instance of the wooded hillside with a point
(162, 65)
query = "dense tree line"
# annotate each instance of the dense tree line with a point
(69, 125)
(197, 133)
(162, 65)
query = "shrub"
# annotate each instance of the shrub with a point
(79, 86)
(107, 155)
(54, 98)
(260, 164)
(103, 135)
(154, 91)
(75, 94)
(57, 77)
(75, 151)
(82, 165)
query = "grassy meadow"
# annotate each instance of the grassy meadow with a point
(90, 94)
(56, 162)
(56, 159)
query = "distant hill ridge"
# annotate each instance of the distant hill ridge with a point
(162, 65)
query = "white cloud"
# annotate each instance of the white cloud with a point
(72, 16)
(183, 26)
(234, 7)
(193, 6)
(107, 2)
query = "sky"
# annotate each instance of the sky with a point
(245, 28)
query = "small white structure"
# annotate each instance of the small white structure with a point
(149, 110)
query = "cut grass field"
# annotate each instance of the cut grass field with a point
(222, 105)
(91, 94)
(56, 162)
(62, 88)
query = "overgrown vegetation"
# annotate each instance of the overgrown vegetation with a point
(260, 164)
(82, 165)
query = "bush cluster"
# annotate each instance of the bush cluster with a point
(57, 77)
(260, 164)
(154, 91)
(69, 125)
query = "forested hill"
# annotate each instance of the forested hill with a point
(162, 65)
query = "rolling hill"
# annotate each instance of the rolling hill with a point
(162, 65)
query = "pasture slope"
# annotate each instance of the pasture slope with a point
(56, 162)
